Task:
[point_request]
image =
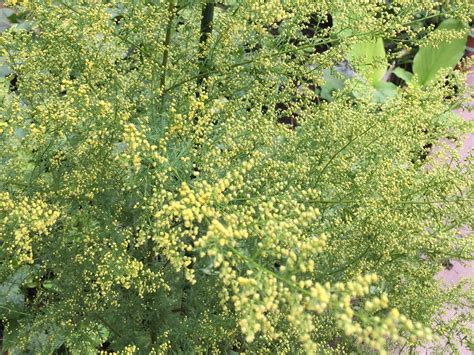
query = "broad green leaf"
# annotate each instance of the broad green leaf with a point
(332, 83)
(403, 74)
(5, 22)
(384, 90)
(369, 59)
(10, 293)
(429, 60)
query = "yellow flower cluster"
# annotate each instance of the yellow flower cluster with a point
(134, 139)
(128, 350)
(16, 2)
(31, 221)
(441, 36)
(3, 126)
(272, 11)
(125, 274)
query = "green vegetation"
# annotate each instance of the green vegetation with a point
(184, 176)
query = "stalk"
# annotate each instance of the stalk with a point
(207, 18)
(164, 65)
(167, 42)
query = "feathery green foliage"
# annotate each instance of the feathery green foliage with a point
(152, 201)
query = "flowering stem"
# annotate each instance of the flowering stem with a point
(267, 271)
(166, 43)
(206, 31)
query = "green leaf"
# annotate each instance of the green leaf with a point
(331, 84)
(10, 292)
(429, 60)
(403, 74)
(384, 90)
(48, 285)
(5, 22)
(369, 59)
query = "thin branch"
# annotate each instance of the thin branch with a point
(206, 32)
(287, 51)
(167, 42)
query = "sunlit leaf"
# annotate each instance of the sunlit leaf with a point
(430, 60)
